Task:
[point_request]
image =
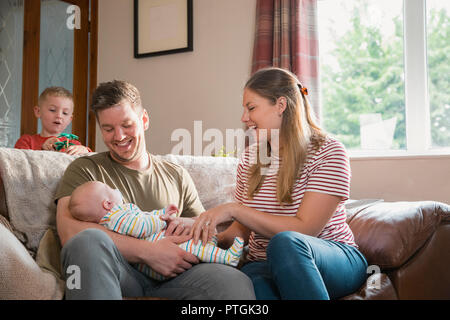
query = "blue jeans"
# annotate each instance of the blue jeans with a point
(302, 267)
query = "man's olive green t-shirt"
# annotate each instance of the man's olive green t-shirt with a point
(163, 183)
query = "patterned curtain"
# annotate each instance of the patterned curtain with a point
(287, 37)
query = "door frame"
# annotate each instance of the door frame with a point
(85, 69)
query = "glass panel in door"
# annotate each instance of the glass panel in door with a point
(56, 48)
(11, 51)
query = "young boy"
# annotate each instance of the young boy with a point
(55, 109)
(96, 202)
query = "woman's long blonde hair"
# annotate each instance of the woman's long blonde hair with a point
(298, 129)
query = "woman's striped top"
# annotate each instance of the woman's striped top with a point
(326, 170)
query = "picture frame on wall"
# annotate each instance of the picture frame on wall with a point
(162, 27)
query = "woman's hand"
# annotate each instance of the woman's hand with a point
(205, 225)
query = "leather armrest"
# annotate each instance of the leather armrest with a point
(389, 233)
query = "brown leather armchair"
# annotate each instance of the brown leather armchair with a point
(407, 246)
(409, 243)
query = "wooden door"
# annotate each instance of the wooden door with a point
(83, 65)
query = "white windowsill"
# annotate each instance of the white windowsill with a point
(398, 154)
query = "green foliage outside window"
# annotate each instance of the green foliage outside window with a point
(368, 77)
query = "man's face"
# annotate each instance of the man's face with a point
(123, 130)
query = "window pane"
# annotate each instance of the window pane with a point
(438, 51)
(362, 77)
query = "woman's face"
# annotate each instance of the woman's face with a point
(260, 114)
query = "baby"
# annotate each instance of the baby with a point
(95, 201)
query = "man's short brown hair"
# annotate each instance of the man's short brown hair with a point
(111, 93)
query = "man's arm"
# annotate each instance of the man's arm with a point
(163, 256)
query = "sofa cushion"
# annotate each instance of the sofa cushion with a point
(214, 177)
(20, 276)
(389, 233)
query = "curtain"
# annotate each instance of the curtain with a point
(287, 37)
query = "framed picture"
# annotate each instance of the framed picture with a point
(162, 27)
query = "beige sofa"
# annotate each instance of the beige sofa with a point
(407, 244)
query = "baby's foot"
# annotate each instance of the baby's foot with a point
(235, 251)
(213, 241)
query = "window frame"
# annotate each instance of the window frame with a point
(417, 104)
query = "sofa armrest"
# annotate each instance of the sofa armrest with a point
(389, 233)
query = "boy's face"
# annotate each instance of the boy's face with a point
(55, 113)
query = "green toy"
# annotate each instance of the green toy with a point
(65, 144)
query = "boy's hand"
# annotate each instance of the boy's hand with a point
(77, 149)
(49, 144)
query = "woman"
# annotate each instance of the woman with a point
(293, 217)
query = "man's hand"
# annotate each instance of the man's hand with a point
(167, 258)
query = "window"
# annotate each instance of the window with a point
(438, 50)
(384, 68)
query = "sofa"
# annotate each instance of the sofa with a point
(407, 244)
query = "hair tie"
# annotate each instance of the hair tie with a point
(302, 89)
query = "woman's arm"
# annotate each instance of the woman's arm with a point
(314, 212)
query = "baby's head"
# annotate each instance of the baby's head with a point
(55, 109)
(92, 200)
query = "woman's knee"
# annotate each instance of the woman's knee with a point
(285, 244)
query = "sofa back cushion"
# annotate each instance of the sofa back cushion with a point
(214, 177)
(30, 179)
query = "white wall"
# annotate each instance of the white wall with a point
(178, 89)
(206, 85)
(405, 179)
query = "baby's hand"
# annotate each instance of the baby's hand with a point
(49, 144)
(176, 226)
(171, 209)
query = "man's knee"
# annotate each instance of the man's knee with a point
(236, 285)
(220, 282)
(87, 243)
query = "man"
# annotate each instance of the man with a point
(103, 257)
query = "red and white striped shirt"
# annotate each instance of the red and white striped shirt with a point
(326, 170)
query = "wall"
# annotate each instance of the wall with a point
(206, 85)
(178, 89)
(402, 178)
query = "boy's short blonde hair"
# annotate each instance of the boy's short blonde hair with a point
(55, 92)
